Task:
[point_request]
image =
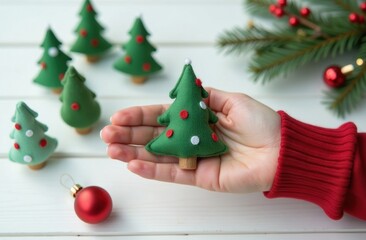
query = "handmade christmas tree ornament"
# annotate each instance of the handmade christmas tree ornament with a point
(31, 146)
(53, 63)
(79, 108)
(318, 31)
(189, 133)
(92, 204)
(90, 41)
(137, 60)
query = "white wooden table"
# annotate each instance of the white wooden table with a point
(33, 204)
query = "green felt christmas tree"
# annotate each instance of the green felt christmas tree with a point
(138, 61)
(89, 34)
(32, 146)
(53, 63)
(79, 107)
(188, 134)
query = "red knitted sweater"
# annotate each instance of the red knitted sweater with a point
(321, 165)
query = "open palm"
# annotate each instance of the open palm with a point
(250, 129)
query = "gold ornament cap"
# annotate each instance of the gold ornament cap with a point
(75, 189)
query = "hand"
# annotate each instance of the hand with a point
(250, 129)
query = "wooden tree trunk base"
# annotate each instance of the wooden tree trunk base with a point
(92, 58)
(83, 131)
(37, 166)
(138, 79)
(56, 90)
(188, 163)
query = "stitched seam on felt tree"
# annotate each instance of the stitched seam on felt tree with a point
(188, 132)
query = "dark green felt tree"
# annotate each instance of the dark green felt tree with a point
(138, 61)
(89, 34)
(32, 146)
(53, 63)
(188, 134)
(79, 107)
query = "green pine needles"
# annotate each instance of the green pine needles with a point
(282, 47)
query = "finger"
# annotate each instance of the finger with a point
(221, 101)
(127, 153)
(205, 176)
(162, 172)
(139, 135)
(139, 115)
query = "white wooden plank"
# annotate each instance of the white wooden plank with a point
(190, 23)
(71, 144)
(229, 73)
(312, 236)
(34, 203)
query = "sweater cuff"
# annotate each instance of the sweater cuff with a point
(314, 164)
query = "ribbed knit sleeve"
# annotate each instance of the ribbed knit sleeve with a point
(315, 164)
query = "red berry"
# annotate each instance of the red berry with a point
(18, 126)
(353, 17)
(75, 106)
(214, 137)
(89, 8)
(305, 11)
(272, 8)
(146, 67)
(43, 143)
(128, 59)
(139, 39)
(61, 76)
(16, 146)
(282, 3)
(363, 6)
(83, 32)
(43, 65)
(293, 21)
(183, 114)
(94, 42)
(334, 77)
(198, 82)
(279, 12)
(169, 133)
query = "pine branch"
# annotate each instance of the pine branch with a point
(343, 7)
(240, 40)
(281, 60)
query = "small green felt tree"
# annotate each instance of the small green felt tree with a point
(79, 107)
(53, 63)
(32, 146)
(89, 38)
(138, 61)
(188, 134)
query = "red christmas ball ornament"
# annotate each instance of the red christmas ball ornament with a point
(334, 77)
(293, 21)
(353, 17)
(305, 12)
(92, 204)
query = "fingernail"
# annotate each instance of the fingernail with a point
(110, 119)
(107, 149)
(100, 134)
